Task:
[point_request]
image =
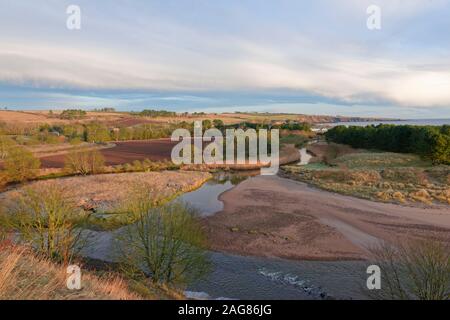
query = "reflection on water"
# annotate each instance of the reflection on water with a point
(205, 199)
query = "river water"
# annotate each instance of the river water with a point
(241, 277)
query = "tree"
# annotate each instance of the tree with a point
(20, 165)
(166, 243)
(218, 123)
(431, 142)
(96, 132)
(441, 149)
(48, 220)
(206, 124)
(71, 114)
(84, 161)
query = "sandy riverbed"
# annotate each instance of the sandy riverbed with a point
(277, 217)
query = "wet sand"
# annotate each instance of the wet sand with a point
(277, 217)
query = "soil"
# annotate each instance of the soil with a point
(124, 152)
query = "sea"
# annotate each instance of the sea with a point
(417, 122)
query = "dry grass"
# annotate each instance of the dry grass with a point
(378, 160)
(106, 190)
(26, 276)
(41, 117)
(328, 152)
(102, 194)
(387, 177)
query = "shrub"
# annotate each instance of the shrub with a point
(46, 219)
(20, 165)
(166, 243)
(417, 270)
(82, 161)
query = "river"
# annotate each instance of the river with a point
(241, 277)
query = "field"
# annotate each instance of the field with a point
(379, 176)
(123, 152)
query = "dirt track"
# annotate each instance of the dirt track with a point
(273, 216)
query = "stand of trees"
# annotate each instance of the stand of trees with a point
(157, 113)
(71, 114)
(431, 142)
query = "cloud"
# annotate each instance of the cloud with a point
(125, 49)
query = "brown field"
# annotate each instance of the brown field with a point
(124, 152)
(155, 150)
(41, 117)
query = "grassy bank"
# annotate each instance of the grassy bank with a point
(102, 195)
(379, 176)
(27, 276)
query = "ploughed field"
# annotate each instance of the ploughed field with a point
(124, 152)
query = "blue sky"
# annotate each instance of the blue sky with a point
(315, 57)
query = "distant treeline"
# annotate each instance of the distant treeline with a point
(157, 113)
(71, 114)
(99, 132)
(431, 142)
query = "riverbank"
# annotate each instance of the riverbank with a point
(103, 194)
(271, 216)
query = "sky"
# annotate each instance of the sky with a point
(313, 57)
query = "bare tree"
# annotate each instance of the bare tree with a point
(46, 219)
(83, 161)
(166, 243)
(416, 270)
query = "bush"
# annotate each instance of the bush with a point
(96, 132)
(418, 270)
(20, 165)
(46, 219)
(83, 161)
(166, 244)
